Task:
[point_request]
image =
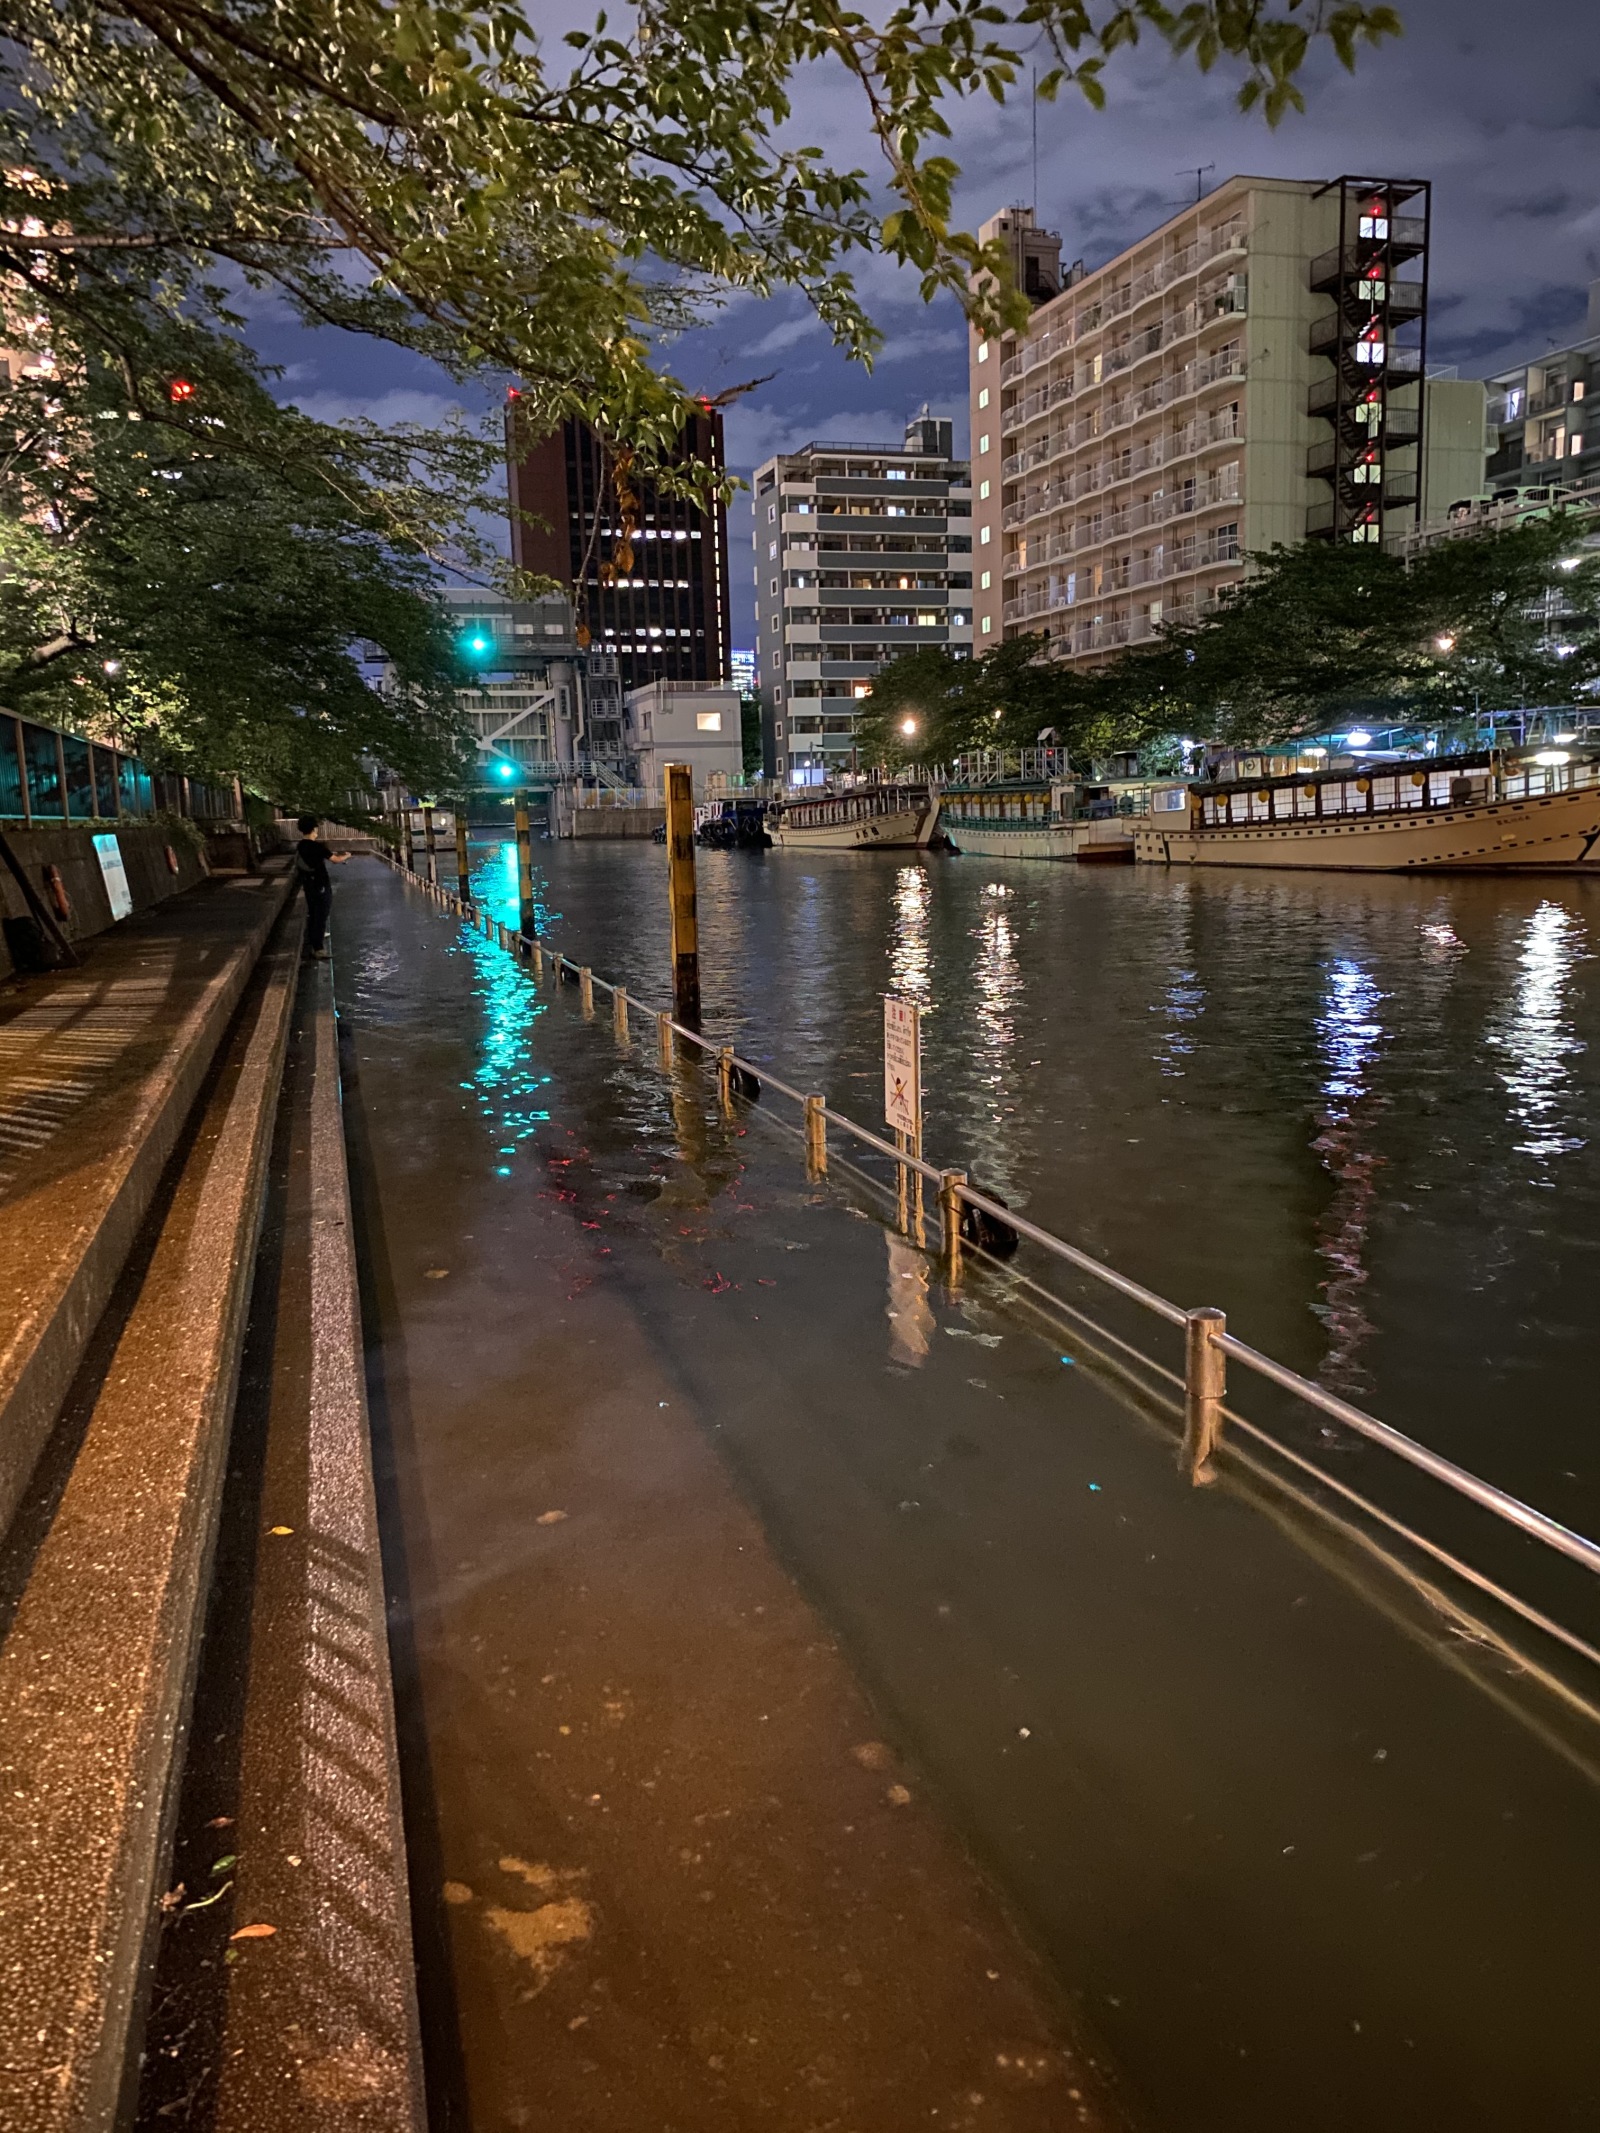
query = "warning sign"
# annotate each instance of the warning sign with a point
(902, 1066)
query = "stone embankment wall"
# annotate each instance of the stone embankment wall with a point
(158, 865)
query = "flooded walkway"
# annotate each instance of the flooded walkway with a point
(708, 1700)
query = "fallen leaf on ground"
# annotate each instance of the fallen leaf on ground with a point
(550, 1518)
(434, 1273)
(281, 1529)
(220, 1822)
(253, 1933)
(898, 1796)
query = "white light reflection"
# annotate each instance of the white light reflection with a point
(1536, 1037)
(909, 961)
(997, 983)
(907, 1308)
(1183, 1002)
(1350, 1035)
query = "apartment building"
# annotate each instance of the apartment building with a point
(1544, 417)
(655, 598)
(862, 552)
(1252, 372)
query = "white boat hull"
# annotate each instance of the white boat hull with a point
(909, 826)
(1554, 833)
(1042, 840)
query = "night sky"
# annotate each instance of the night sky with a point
(1498, 104)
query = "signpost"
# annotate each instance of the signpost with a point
(902, 1090)
(115, 875)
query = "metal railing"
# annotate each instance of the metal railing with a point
(1208, 1345)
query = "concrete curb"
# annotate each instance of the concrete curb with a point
(60, 1262)
(322, 2032)
(97, 1671)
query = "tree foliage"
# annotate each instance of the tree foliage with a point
(1315, 636)
(196, 574)
(447, 177)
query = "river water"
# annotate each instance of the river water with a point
(1299, 1850)
(1360, 1114)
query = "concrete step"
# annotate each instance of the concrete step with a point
(105, 1574)
(292, 1772)
(99, 1070)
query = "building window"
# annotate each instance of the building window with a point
(772, 550)
(1577, 388)
(983, 397)
(776, 658)
(988, 624)
(983, 351)
(772, 513)
(983, 442)
(983, 537)
(983, 490)
(774, 588)
(708, 722)
(984, 581)
(778, 734)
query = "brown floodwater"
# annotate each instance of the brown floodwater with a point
(1301, 1845)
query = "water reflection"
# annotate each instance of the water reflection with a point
(910, 964)
(1349, 1035)
(910, 1315)
(997, 983)
(1536, 1036)
(505, 1081)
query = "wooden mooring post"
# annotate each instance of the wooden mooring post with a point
(525, 916)
(679, 780)
(463, 870)
(1205, 1382)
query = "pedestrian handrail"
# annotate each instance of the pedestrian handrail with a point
(1208, 1344)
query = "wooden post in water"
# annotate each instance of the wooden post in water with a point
(463, 871)
(664, 1041)
(679, 780)
(950, 1184)
(586, 990)
(524, 868)
(1205, 1380)
(430, 842)
(619, 1015)
(816, 1137)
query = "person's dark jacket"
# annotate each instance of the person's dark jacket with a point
(311, 865)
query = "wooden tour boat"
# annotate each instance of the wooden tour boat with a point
(1033, 819)
(875, 817)
(1488, 811)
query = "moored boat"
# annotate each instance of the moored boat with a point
(1026, 818)
(876, 817)
(1485, 812)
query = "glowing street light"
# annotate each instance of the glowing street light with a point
(1445, 644)
(908, 726)
(1359, 739)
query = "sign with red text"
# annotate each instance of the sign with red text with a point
(902, 1066)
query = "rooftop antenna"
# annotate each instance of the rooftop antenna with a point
(1199, 179)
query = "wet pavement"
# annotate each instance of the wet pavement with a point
(1290, 1850)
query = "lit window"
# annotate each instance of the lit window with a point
(1575, 441)
(1375, 226)
(984, 581)
(983, 536)
(983, 490)
(983, 397)
(1514, 403)
(1577, 388)
(983, 442)
(708, 722)
(772, 549)
(988, 624)
(983, 351)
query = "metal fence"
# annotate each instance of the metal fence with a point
(49, 777)
(1208, 1346)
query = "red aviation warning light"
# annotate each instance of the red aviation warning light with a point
(180, 389)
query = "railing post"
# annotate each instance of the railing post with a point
(586, 989)
(664, 1041)
(678, 780)
(816, 1137)
(431, 844)
(1205, 1381)
(463, 868)
(950, 1184)
(725, 1079)
(525, 912)
(538, 959)
(619, 1015)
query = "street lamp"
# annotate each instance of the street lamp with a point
(908, 726)
(1445, 644)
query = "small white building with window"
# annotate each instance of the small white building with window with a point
(691, 722)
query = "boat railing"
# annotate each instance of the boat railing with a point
(1211, 1425)
(1406, 787)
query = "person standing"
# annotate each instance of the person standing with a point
(311, 858)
